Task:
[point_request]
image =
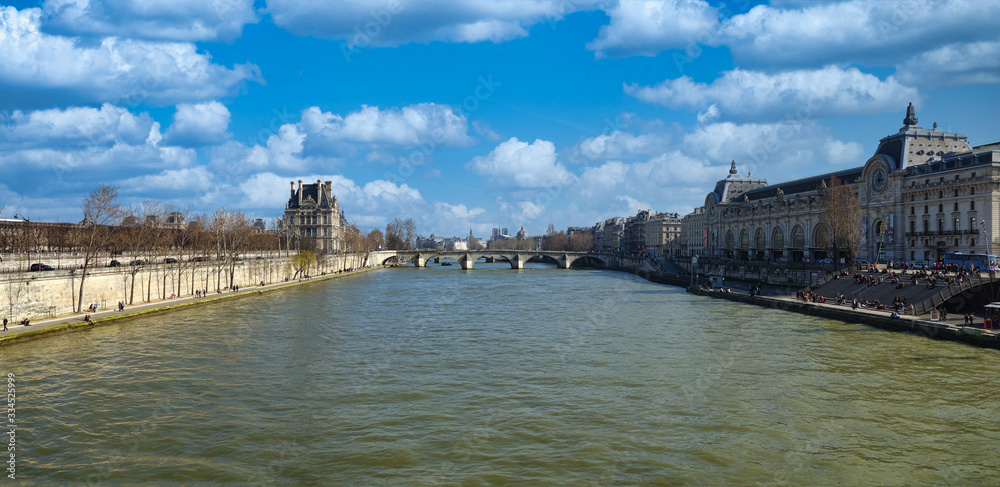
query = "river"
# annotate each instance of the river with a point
(543, 376)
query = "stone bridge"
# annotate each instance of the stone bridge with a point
(468, 258)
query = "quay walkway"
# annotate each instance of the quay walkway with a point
(66, 323)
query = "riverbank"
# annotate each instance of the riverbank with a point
(877, 318)
(779, 298)
(75, 322)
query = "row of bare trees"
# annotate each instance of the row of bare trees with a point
(193, 249)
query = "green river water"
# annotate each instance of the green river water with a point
(542, 376)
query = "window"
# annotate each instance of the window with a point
(925, 209)
(973, 174)
(972, 205)
(972, 190)
(972, 242)
(912, 210)
(913, 226)
(958, 225)
(972, 223)
(940, 225)
(912, 255)
(941, 179)
(956, 206)
(940, 208)
(940, 194)
(956, 191)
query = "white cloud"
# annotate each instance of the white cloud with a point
(880, 33)
(458, 212)
(189, 179)
(425, 125)
(74, 127)
(953, 65)
(41, 69)
(364, 23)
(644, 28)
(198, 125)
(752, 95)
(519, 164)
(175, 20)
(619, 144)
(72, 142)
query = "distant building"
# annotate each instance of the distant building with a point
(608, 234)
(312, 219)
(662, 233)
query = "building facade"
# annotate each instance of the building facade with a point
(662, 233)
(922, 194)
(313, 220)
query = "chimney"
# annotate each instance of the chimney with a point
(292, 194)
(319, 192)
(300, 192)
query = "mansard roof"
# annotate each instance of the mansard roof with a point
(311, 193)
(804, 185)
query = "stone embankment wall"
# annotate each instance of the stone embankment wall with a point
(939, 331)
(774, 274)
(45, 294)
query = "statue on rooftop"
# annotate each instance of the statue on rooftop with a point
(911, 116)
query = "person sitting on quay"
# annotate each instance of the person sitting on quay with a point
(86, 318)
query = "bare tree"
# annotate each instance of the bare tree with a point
(555, 241)
(842, 218)
(101, 212)
(582, 242)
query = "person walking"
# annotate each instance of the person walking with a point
(5, 324)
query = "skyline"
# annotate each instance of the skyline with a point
(470, 114)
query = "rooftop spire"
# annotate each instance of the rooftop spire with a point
(911, 116)
(732, 168)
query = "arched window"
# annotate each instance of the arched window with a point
(778, 238)
(798, 237)
(744, 239)
(730, 241)
(821, 236)
(759, 241)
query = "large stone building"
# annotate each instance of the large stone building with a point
(923, 193)
(312, 219)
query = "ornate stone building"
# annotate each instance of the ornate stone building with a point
(923, 193)
(312, 219)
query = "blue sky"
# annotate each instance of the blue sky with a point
(470, 113)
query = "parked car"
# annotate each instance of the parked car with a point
(825, 261)
(919, 265)
(170, 260)
(114, 263)
(137, 262)
(40, 267)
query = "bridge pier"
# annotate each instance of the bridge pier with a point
(517, 262)
(419, 260)
(467, 262)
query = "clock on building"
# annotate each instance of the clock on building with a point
(878, 180)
